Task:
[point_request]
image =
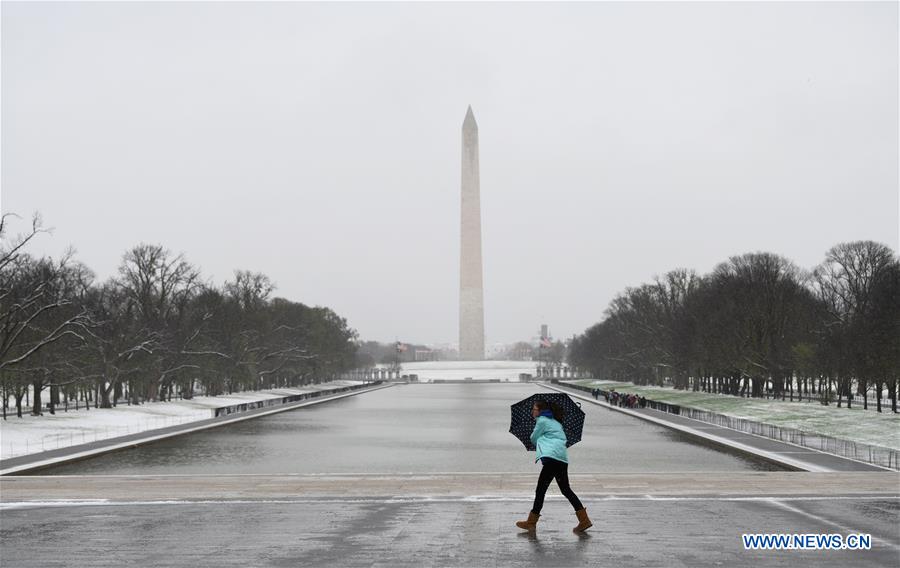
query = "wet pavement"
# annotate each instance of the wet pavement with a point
(637, 531)
(61, 489)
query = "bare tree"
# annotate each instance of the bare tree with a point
(160, 287)
(844, 282)
(39, 311)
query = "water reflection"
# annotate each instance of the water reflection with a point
(413, 428)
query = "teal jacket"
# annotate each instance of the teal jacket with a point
(549, 439)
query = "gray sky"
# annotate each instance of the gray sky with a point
(320, 144)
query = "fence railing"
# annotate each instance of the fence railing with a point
(876, 455)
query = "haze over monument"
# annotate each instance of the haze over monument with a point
(622, 140)
(471, 289)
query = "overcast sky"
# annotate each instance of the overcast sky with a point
(320, 144)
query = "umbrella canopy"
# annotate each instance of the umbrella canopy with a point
(522, 423)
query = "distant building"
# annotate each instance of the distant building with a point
(426, 355)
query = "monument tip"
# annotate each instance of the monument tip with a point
(470, 117)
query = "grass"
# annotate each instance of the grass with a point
(855, 424)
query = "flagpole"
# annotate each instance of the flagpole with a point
(399, 347)
(541, 358)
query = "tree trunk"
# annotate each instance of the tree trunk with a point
(893, 388)
(54, 398)
(839, 392)
(19, 397)
(756, 387)
(36, 407)
(104, 395)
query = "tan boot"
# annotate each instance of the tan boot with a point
(584, 523)
(530, 524)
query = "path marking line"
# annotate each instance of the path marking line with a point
(416, 474)
(845, 528)
(432, 499)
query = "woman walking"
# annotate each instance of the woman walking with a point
(549, 439)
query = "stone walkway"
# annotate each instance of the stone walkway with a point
(49, 488)
(279, 522)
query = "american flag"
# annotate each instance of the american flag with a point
(545, 342)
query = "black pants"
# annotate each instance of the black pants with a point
(559, 470)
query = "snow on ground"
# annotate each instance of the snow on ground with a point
(460, 370)
(856, 425)
(33, 434)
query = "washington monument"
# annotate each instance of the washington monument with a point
(471, 296)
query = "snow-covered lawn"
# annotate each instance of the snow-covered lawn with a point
(856, 425)
(33, 434)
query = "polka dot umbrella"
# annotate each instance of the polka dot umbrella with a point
(522, 423)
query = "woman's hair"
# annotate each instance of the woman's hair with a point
(557, 410)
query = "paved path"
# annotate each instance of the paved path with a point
(788, 455)
(35, 462)
(653, 520)
(22, 489)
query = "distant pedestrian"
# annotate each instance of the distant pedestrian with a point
(549, 440)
